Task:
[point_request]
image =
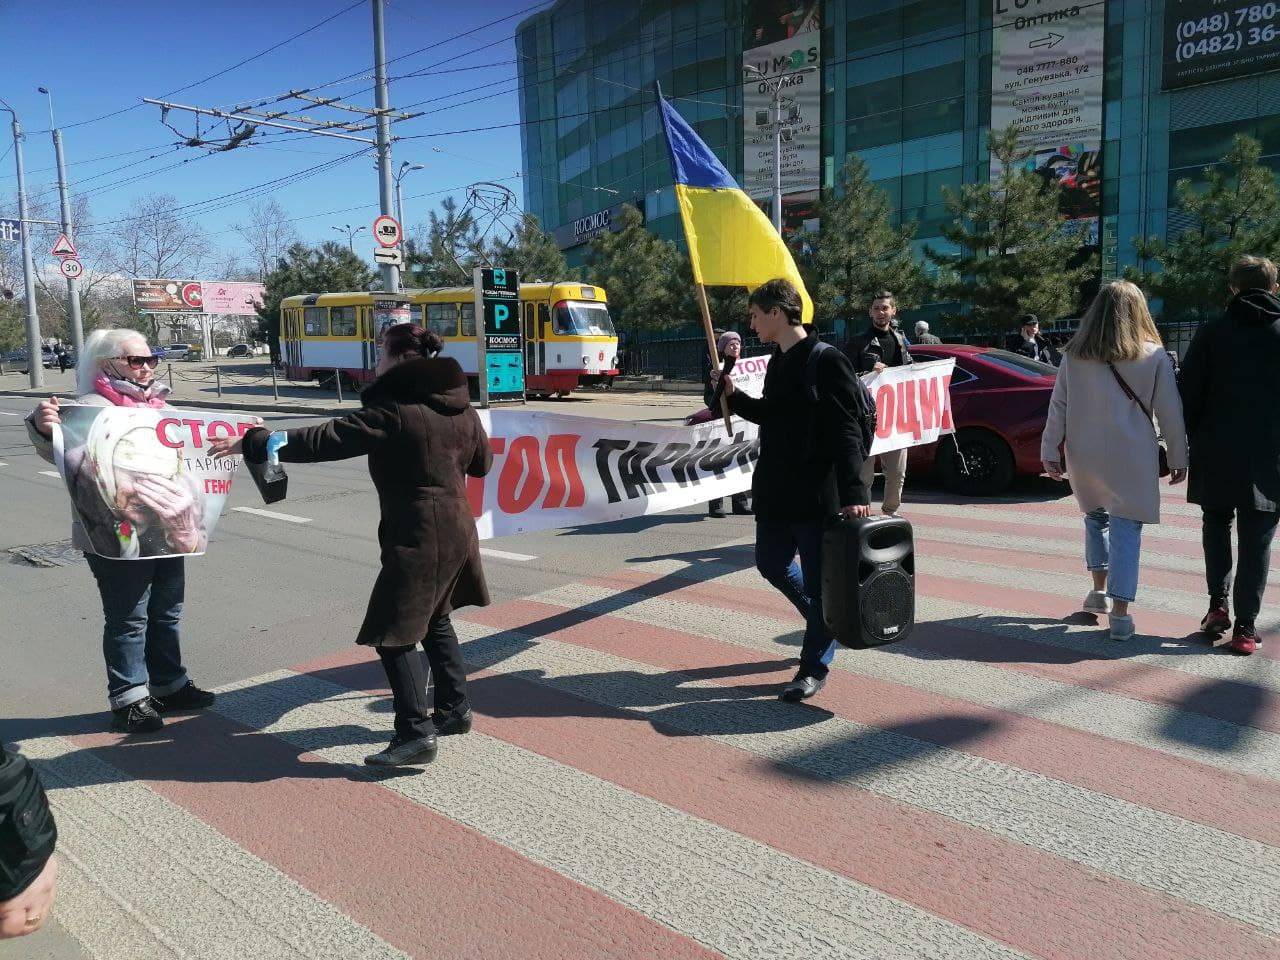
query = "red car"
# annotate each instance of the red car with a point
(999, 401)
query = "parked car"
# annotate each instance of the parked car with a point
(999, 403)
(240, 350)
(177, 351)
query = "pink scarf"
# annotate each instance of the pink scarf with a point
(122, 393)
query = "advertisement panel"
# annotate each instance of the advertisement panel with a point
(141, 481)
(1047, 69)
(168, 296)
(1207, 40)
(497, 293)
(780, 60)
(231, 298)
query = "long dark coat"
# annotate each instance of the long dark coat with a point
(423, 439)
(1230, 385)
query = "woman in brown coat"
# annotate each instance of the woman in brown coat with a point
(423, 439)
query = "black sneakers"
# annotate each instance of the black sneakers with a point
(451, 724)
(403, 753)
(138, 717)
(189, 697)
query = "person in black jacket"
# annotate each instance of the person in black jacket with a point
(810, 466)
(1232, 409)
(728, 344)
(877, 347)
(1029, 342)
(28, 870)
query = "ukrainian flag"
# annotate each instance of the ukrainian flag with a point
(731, 242)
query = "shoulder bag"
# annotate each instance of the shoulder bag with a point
(1161, 447)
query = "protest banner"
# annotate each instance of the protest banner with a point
(141, 481)
(913, 404)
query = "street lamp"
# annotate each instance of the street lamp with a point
(405, 169)
(753, 71)
(35, 368)
(351, 232)
(64, 196)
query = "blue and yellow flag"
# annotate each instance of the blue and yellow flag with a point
(731, 242)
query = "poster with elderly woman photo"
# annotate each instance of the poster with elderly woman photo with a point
(141, 482)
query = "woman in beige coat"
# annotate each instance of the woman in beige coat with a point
(1109, 440)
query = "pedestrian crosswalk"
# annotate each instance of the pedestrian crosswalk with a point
(1007, 783)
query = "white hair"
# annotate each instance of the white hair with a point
(99, 347)
(921, 327)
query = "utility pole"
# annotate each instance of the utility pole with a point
(73, 288)
(35, 356)
(382, 104)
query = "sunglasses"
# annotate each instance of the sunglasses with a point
(139, 362)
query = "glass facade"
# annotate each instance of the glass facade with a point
(906, 86)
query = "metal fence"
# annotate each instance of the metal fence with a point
(682, 358)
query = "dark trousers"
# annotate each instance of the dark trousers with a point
(1254, 532)
(408, 680)
(777, 544)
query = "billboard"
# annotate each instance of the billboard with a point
(226, 298)
(232, 298)
(780, 60)
(1207, 40)
(1046, 76)
(168, 296)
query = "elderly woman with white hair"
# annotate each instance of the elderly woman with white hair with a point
(122, 476)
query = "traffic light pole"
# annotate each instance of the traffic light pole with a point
(35, 356)
(73, 288)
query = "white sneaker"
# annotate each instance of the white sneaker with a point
(1122, 627)
(1095, 601)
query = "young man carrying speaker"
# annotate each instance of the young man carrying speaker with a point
(811, 418)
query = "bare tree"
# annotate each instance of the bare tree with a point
(156, 240)
(268, 233)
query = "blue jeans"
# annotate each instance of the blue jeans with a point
(777, 543)
(1114, 544)
(141, 606)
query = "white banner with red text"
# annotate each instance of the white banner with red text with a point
(141, 480)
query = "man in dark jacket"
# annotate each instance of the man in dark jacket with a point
(1029, 343)
(1232, 410)
(809, 468)
(28, 871)
(877, 347)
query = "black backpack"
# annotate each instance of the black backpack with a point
(867, 413)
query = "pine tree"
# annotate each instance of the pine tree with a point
(858, 251)
(1015, 254)
(1233, 212)
(641, 277)
(328, 268)
(531, 251)
(446, 255)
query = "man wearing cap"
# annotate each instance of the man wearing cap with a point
(1030, 343)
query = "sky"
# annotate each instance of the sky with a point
(116, 52)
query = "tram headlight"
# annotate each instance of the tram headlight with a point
(614, 365)
(586, 361)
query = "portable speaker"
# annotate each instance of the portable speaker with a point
(868, 580)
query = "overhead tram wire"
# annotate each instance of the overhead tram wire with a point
(223, 72)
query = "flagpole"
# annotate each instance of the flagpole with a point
(701, 290)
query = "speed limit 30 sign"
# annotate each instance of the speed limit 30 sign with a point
(71, 268)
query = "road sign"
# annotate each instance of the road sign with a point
(393, 256)
(193, 295)
(386, 230)
(10, 230)
(64, 247)
(71, 267)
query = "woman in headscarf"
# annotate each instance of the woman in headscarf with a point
(423, 440)
(728, 344)
(145, 506)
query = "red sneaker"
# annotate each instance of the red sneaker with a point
(1217, 620)
(1244, 640)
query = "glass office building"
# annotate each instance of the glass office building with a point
(1147, 92)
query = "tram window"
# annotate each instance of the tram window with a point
(315, 321)
(583, 319)
(442, 318)
(530, 332)
(544, 317)
(415, 313)
(469, 319)
(342, 321)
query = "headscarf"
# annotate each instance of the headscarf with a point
(126, 439)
